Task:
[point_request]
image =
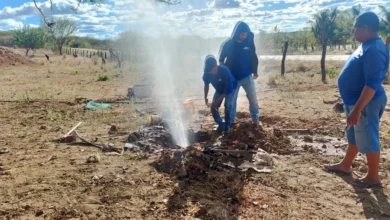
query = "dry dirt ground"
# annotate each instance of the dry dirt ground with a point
(44, 179)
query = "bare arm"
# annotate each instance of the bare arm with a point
(219, 100)
(366, 96)
(206, 93)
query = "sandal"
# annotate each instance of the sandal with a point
(332, 169)
(361, 184)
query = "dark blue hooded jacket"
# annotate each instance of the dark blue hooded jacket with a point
(240, 58)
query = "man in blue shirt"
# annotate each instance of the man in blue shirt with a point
(238, 53)
(360, 86)
(224, 84)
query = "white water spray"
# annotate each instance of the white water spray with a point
(166, 82)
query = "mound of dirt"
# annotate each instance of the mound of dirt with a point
(7, 57)
(201, 180)
(249, 134)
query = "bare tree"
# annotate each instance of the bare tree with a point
(60, 30)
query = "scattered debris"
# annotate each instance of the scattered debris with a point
(297, 131)
(210, 150)
(131, 147)
(93, 158)
(308, 139)
(53, 157)
(97, 177)
(248, 165)
(94, 105)
(71, 136)
(4, 150)
(152, 120)
(229, 164)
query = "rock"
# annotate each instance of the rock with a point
(38, 213)
(113, 130)
(43, 127)
(312, 150)
(255, 203)
(308, 139)
(339, 107)
(93, 158)
(324, 146)
(264, 206)
(363, 168)
(131, 147)
(4, 150)
(278, 133)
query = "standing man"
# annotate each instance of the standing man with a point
(224, 85)
(238, 53)
(360, 86)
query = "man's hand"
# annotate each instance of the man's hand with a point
(353, 118)
(206, 101)
(255, 76)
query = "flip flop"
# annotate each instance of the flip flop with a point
(361, 184)
(332, 169)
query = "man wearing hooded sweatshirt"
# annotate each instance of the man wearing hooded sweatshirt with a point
(238, 53)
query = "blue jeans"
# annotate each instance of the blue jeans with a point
(249, 86)
(366, 133)
(228, 108)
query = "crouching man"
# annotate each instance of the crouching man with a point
(224, 84)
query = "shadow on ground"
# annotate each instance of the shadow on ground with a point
(375, 202)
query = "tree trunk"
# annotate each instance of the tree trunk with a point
(312, 48)
(60, 48)
(285, 48)
(27, 50)
(323, 69)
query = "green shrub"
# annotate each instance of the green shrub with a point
(333, 72)
(103, 78)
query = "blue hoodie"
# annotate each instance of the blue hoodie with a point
(240, 58)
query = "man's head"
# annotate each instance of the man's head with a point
(366, 26)
(210, 65)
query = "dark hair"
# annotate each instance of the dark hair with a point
(209, 63)
(370, 19)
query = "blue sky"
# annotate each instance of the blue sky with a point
(207, 18)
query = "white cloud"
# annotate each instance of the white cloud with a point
(199, 17)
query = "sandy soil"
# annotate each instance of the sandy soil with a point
(44, 179)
